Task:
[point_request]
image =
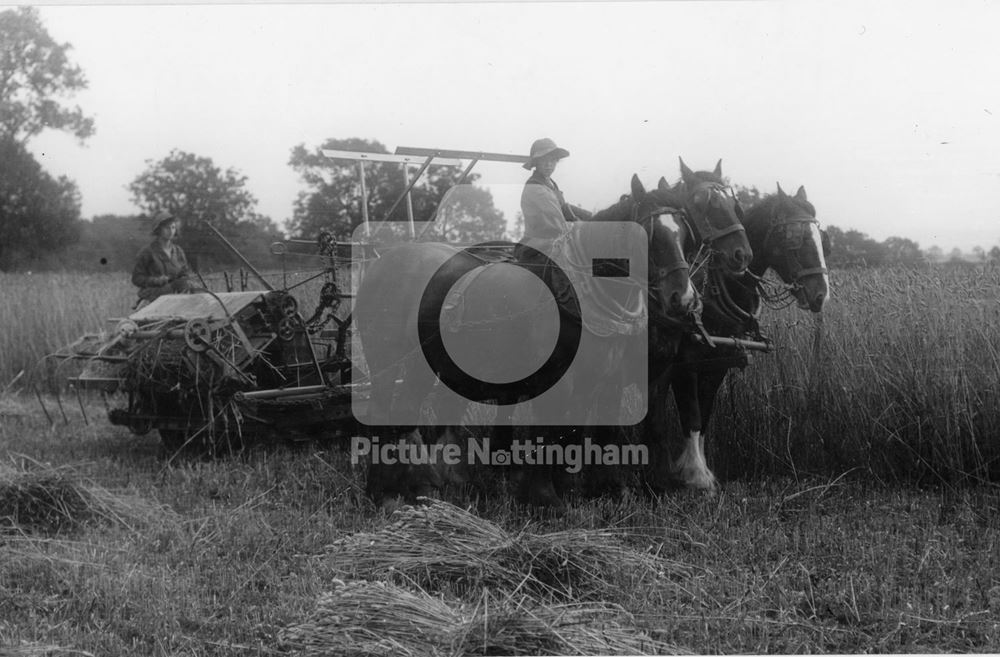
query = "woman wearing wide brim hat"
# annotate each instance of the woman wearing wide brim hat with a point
(161, 267)
(546, 213)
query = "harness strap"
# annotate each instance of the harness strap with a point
(809, 272)
(716, 233)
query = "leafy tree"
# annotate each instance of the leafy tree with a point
(332, 201)
(852, 248)
(748, 196)
(466, 215)
(107, 243)
(935, 253)
(516, 231)
(903, 251)
(38, 213)
(994, 254)
(196, 190)
(35, 72)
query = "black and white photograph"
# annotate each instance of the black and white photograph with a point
(499, 328)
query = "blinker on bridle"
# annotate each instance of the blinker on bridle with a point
(698, 223)
(656, 211)
(790, 253)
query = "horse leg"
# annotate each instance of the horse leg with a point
(653, 430)
(535, 481)
(409, 475)
(380, 481)
(451, 463)
(690, 468)
(606, 478)
(709, 382)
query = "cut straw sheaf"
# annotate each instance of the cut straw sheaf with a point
(442, 547)
(379, 618)
(38, 498)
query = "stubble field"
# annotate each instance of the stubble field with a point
(859, 512)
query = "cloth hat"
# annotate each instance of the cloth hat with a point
(162, 218)
(541, 148)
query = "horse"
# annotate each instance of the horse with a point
(785, 237)
(713, 239)
(713, 236)
(407, 291)
(713, 216)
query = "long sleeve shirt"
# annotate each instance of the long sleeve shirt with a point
(153, 264)
(546, 212)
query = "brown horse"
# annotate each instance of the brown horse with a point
(499, 328)
(714, 219)
(785, 237)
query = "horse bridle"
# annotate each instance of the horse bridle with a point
(662, 272)
(777, 222)
(699, 226)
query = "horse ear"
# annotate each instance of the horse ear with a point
(663, 185)
(638, 191)
(801, 194)
(686, 173)
(718, 168)
(781, 192)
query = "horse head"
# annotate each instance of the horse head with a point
(669, 282)
(714, 218)
(786, 237)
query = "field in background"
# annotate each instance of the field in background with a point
(40, 313)
(898, 377)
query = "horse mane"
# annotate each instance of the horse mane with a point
(704, 176)
(764, 208)
(620, 211)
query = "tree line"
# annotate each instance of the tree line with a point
(40, 222)
(41, 226)
(853, 248)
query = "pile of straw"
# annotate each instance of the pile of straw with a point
(46, 499)
(378, 618)
(442, 547)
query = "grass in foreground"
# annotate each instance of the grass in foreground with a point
(221, 557)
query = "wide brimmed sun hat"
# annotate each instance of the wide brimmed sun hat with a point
(161, 219)
(541, 148)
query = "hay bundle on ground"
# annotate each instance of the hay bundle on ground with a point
(39, 498)
(377, 618)
(441, 545)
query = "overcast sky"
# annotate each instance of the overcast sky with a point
(886, 112)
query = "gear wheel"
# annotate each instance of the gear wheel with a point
(197, 334)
